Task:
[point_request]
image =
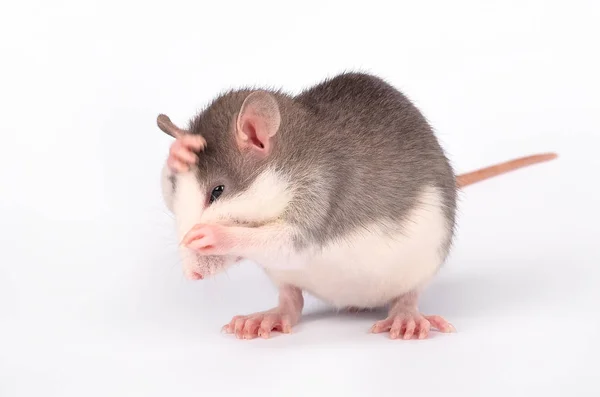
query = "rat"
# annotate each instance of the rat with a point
(342, 191)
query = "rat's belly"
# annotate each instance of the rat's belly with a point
(370, 267)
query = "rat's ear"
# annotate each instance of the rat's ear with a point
(167, 126)
(257, 122)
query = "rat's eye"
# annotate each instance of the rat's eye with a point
(216, 193)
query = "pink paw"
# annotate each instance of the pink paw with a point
(260, 324)
(182, 152)
(406, 325)
(206, 240)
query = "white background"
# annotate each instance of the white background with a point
(92, 296)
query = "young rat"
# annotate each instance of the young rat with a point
(342, 191)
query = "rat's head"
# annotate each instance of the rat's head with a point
(234, 181)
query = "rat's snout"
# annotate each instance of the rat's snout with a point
(189, 212)
(194, 266)
(199, 267)
(196, 276)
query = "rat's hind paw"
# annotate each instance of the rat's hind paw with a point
(407, 325)
(260, 324)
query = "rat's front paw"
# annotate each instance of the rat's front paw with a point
(208, 240)
(182, 152)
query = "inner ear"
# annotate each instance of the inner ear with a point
(249, 129)
(258, 121)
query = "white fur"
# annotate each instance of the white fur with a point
(166, 187)
(188, 202)
(187, 205)
(264, 201)
(369, 267)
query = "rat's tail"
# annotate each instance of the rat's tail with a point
(499, 169)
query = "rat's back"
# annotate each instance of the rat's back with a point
(375, 194)
(373, 151)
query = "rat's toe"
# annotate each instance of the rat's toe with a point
(396, 327)
(410, 328)
(381, 326)
(441, 324)
(251, 328)
(424, 327)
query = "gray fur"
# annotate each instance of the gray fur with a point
(172, 181)
(356, 149)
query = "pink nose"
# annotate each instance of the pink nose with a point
(196, 276)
